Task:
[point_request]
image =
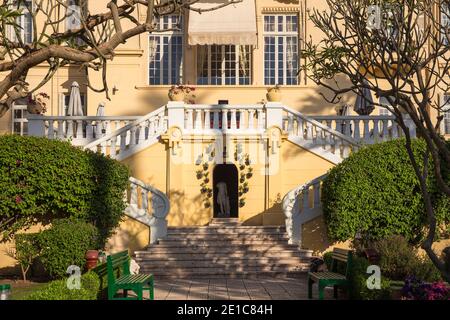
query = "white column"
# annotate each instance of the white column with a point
(410, 124)
(36, 126)
(175, 111)
(274, 114)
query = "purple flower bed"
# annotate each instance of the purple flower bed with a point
(415, 289)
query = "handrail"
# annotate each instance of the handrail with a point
(379, 117)
(125, 128)
(160, 204)
(322, 126)
(224, 106)
(85, 118)
(291, 208)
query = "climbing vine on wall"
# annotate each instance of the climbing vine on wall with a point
(245, 174)
(202, 174)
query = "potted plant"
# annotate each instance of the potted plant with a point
(274, 94)
(91, 259)
(182, 93)
(38, 104)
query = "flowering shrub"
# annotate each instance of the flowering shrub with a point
(415, 289)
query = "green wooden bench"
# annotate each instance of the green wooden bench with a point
(332, 277)
(117, 271)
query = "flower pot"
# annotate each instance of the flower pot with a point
(91, 259)
(35, 108)
(176, 95)
(273, 95)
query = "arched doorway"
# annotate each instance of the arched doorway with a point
(228, 174)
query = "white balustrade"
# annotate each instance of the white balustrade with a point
(132, 137)
(317, 136)
(231, 118)
(301, 205)
(148, 206)
(364, 129)
(81, 130)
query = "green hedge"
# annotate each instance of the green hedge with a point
(358, 279)
(375, 192)
(65, 244)
(399, 260)
(44, 179)
(58, 290)
(358, 282)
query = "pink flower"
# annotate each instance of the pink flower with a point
(18, 199)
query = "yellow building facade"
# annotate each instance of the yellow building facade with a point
(273, 159)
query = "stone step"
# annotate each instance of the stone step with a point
(220, 247)
(183, 255)
(220, 262)
(222, 270)
(224, 249)
(223, 229)
(224, 222)
(232, 275)
(217, 242)
(231, 236)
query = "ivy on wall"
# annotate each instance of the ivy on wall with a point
(205, 189)
(245, 173)
(206, 164)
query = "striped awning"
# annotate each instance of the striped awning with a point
(232, 24)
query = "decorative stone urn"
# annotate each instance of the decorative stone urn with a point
(176, 94)
(274, 94)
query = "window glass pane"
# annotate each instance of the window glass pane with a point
(281, 59)
(447, 122)
(223, 64)
(166, 53)
(17, 126)
(269, 23)
(280, 24)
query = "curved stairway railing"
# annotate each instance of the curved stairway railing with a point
(154, 215)
(317, 137)
(133, 137)
(300, 205)
(146, 204)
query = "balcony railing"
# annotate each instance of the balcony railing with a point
(80, 129)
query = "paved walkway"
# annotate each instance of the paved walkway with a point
(235, 289)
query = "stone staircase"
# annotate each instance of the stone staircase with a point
(224, 249)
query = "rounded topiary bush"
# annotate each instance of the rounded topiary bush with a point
(58, 289)
(65, 244)
(42, 179)
(375, 192)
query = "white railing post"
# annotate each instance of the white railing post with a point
(175, 112)
(274, 114)
(36, 125)
(410, 125)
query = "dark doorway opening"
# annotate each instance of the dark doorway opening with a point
(228, 174)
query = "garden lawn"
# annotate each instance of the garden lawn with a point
(21, 289)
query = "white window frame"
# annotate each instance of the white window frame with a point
(20, 120)
(63, 106)
(445, 19)
(22, 19)
(171, 22)
(223, 76)
(284, 34)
